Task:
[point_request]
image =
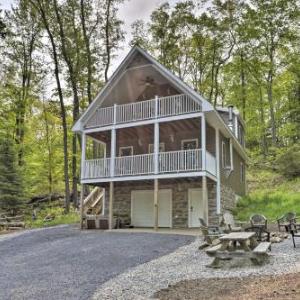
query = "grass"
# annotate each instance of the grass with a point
(270, 194)
(60, 217)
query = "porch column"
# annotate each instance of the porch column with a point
(203, 142)
(81, 205)
(113, 144)
(111, 204)
(218, 171)
(156, 139)
(112, 152)
(155, 204)
(83, 149)
(205, 196)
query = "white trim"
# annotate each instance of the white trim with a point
(152, 176)
(125, 147)
(145, 122)
(112, 152)
(189, 140)
(189, 205)
(231, 155)
(203, 141)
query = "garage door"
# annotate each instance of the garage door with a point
(142, 210)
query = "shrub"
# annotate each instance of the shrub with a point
(288, 163)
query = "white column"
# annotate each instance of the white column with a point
(203, 142)
(113, 145)
(156, 138)
(83, 149)
(205, 197)
(218, 157)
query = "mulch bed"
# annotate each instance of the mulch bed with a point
(283, 287)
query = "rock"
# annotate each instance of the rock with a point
(275, 239)
(215, 242)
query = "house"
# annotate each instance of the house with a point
(159, 154)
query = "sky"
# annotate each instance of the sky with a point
(129, 11)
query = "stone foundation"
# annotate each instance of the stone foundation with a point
(122, 198)
(228, 198)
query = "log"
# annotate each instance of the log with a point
(45, 198)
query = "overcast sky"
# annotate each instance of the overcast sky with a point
(129, 11)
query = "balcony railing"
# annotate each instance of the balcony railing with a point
(137, 165)
(144, 110)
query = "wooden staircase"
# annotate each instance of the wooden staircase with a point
(92, 208)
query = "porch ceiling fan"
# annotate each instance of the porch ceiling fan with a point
(148, 81)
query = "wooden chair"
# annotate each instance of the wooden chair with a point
(210, 232)
(230, 224)
(258, 220)
(294, 233)
(261, 233)
(286, 220)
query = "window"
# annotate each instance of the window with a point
(161, 148)
(242, 173)
(189, 144)
(126, 151)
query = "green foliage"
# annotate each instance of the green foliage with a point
(60, 217)
(270, 193)
(289, 162)
(11, 190)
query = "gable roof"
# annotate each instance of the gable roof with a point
(179, 83)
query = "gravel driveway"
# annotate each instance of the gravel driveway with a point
(66, 263)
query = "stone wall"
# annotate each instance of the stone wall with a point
(122, 199)
(228, 198)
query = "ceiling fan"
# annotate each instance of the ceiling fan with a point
(149, 81)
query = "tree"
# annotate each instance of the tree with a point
(11, 191)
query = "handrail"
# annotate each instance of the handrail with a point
(144, 110)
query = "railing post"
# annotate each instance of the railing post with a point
(83, 148)
(203, 142)
(113, 144)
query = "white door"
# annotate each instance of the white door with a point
(142, 208)
(196, 207)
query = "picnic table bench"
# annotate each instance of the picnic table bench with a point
(239, 244)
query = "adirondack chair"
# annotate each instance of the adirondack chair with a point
(286, 220)
(258, 220)
(209, 233)
(230, 224)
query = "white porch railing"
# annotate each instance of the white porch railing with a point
(168, 162)
(144, 110)
(211, 163)
(134, 165)
(180, 161)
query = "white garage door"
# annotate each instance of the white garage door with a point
(142, 209)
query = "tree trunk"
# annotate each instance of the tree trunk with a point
(264, 144)
(107, 40)
(243, 86)
(41, 10)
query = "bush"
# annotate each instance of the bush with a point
(288, 163)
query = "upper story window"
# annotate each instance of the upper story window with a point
(227, 155)
(126, 151)
(161, 148)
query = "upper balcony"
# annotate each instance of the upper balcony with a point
(160, 107)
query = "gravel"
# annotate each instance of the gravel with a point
(188, 263)
(66, 263)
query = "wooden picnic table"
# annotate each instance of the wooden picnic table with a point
(238, 244)
(236, 240)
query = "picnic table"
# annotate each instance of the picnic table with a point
(239, 244)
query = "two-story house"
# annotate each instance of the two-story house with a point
(161, 153)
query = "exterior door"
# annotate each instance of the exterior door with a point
(142, 208)
(196, 207)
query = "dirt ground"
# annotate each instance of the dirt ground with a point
(284, 287)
